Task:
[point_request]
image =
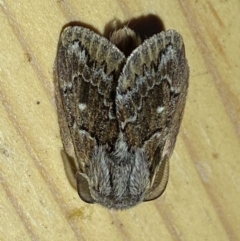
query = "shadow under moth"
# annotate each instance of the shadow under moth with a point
(119, 115)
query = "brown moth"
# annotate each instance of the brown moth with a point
(120, 115)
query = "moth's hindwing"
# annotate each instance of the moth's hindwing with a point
(150, 99)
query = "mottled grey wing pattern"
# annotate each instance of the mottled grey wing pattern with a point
(118, 115)
(88, 69)
(150, 101)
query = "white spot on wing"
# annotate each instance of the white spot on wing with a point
(160, 109)
(82, 106)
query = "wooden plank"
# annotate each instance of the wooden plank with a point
(202, 199)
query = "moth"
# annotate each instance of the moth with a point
(120, 113)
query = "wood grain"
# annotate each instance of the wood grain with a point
(202, 200)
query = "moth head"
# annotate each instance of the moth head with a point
(126, 40)
(114, 180)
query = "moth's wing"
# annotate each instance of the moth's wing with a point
(88, 68)
(150, 100)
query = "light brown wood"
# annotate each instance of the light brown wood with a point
(202, 200)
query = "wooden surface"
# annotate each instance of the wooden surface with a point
(202, 200)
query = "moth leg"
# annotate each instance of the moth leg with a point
(160, 181)
(159, 165)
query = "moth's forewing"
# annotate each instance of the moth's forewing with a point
(151, 97)
(88, 67)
